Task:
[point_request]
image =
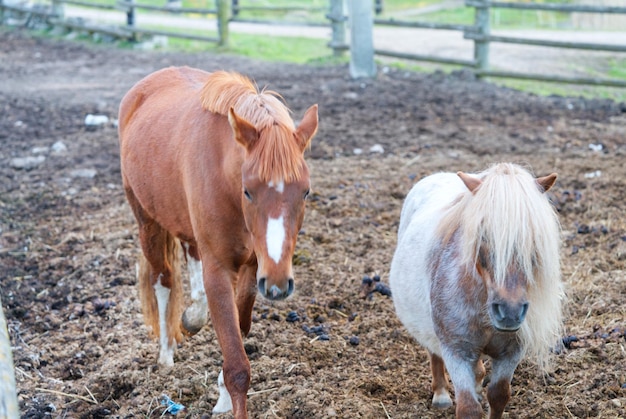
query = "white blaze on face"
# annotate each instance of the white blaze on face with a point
(279, 186)
(275, 237)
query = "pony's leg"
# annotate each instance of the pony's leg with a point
(236, 367)
(499, 390)
(197, 314)
(246, 294)
(464, 379)
(480, 373)
(441, 397)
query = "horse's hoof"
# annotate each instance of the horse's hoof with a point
(442, 401)
(190, 327)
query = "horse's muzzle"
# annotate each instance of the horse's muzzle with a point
(508, 317)
(274, 292)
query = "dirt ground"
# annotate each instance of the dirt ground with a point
(68, 243)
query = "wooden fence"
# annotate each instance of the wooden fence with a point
(338, 18)
(480, 33)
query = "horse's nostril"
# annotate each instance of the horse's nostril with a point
(499, 311)
(523, 311)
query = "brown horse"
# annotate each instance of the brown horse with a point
(476, 273)
(210, 162)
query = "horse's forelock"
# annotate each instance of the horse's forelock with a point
(277, 155)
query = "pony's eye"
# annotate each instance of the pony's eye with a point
(306, 193)
(247, 195)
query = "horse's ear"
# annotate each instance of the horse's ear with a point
(471, 182)
(546, 182)
(308, 127)
(245, 133)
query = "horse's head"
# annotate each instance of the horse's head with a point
(275, 184)
(506, 256)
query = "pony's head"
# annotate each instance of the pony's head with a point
(275, 185)
(510, 236)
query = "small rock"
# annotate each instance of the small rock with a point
(616, 402)
(40, 150)
(59, 147)
(357, 151)
(84, 173)
(27, 163)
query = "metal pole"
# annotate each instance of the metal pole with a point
(361, 39)
(481, 47)
(338, 19)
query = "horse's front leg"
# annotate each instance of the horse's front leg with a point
(234, 379)
(463, 376)
(246, 294)
(499, 390)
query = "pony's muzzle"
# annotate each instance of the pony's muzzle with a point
(275, 292)
(508, 317)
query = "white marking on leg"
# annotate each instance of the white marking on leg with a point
(275, 237)
(166, 351)
(279, 186)
(224, 403)
(196, 315)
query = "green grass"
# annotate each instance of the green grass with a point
(315, 51)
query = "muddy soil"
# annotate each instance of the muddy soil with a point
(68, 245)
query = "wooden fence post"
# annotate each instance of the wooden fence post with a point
(8, 397)
(222, 21)
(481, 47)
(130, 20)
(361, 39)
(58, 9)
(338, 19)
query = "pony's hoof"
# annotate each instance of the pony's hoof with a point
(442, 401)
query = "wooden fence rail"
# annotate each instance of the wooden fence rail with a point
(338, 18)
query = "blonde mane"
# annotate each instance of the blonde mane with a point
(277, 155)
(512, 217)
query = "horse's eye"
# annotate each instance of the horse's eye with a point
(306, 194)
(247, 195)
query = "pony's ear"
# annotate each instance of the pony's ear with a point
(471, 182)
(546, 182)
(308, 127)
(245, 133)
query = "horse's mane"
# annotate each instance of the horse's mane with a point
(277, 156)
(512, 217)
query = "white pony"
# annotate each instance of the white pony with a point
(476, 272)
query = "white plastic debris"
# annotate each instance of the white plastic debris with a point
(592, 175)
(96, 120)
(596, 147)
(377, 148)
